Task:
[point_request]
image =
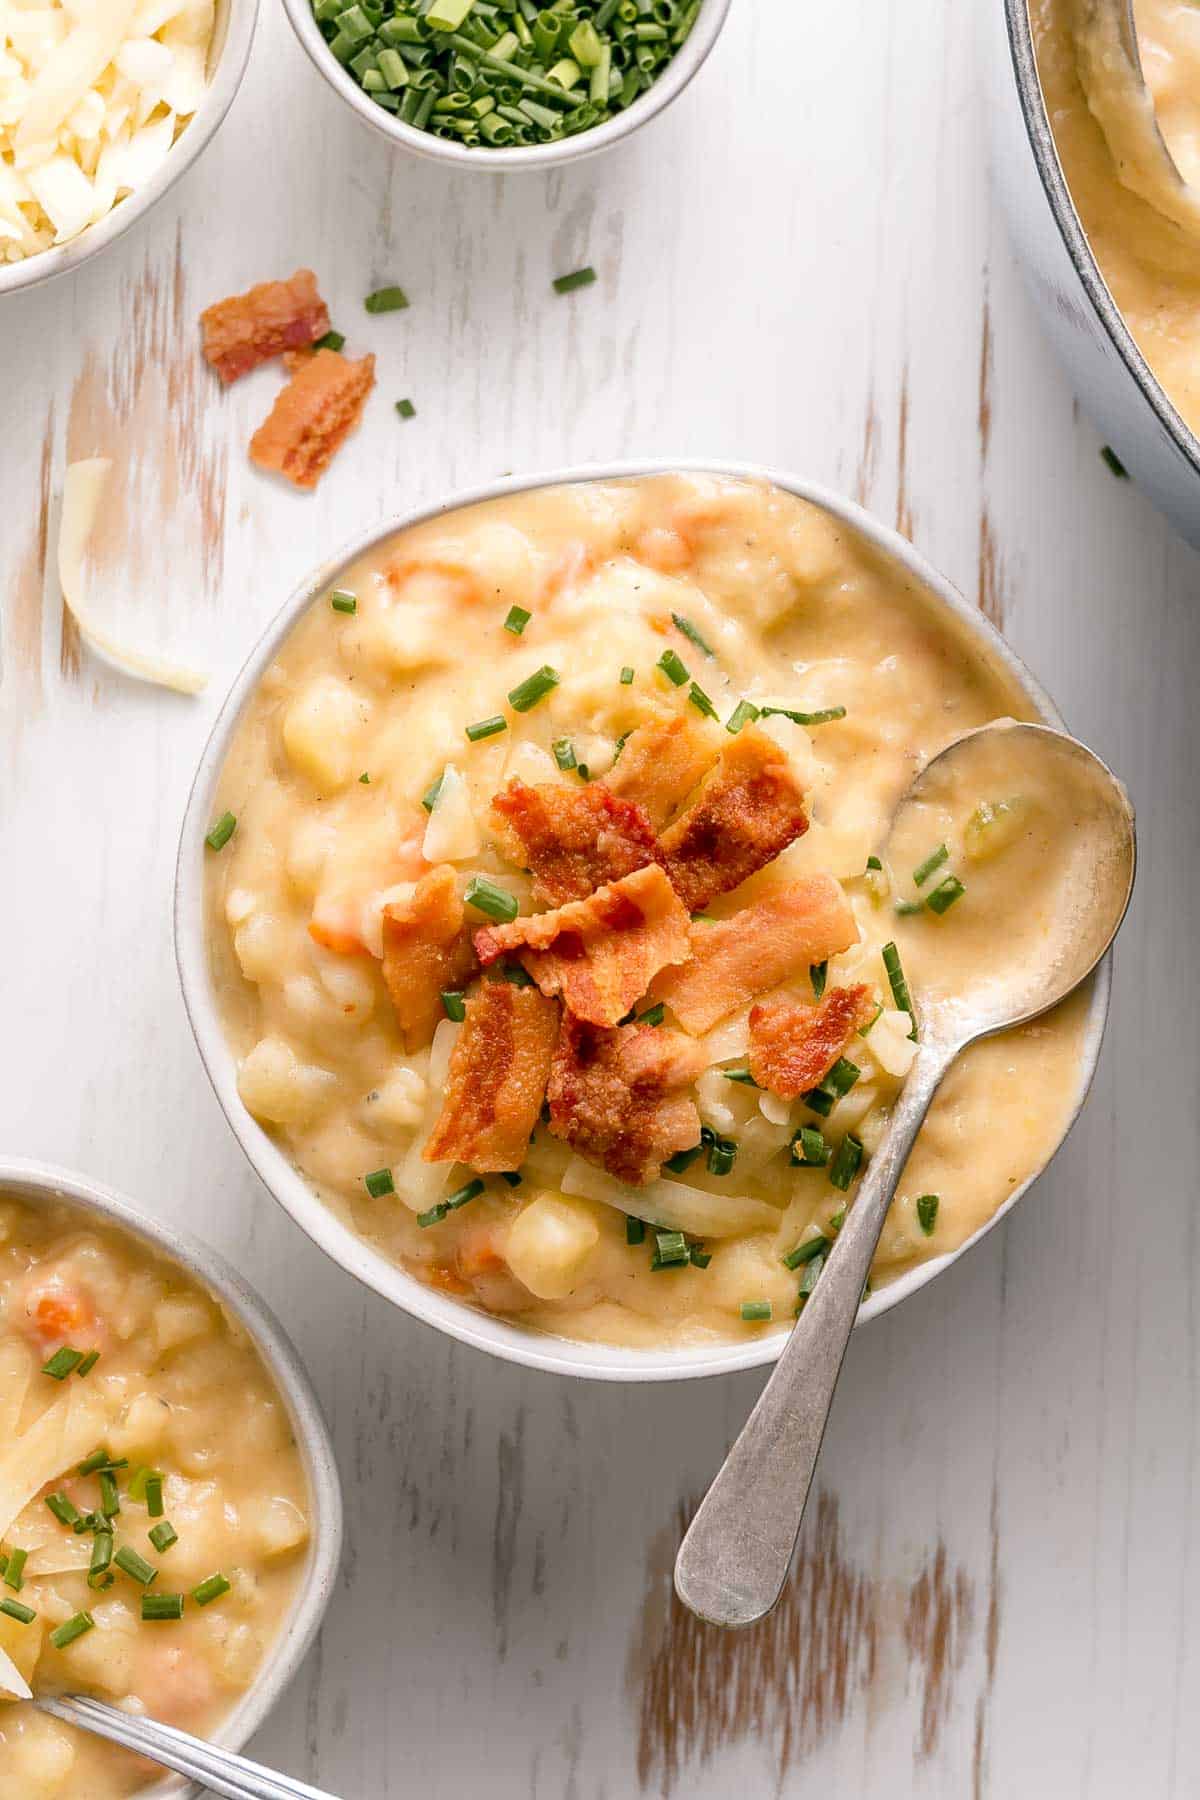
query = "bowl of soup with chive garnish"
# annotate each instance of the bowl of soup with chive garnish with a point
(169, 1515)
(534, 930)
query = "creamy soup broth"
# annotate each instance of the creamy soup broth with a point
(799, 612)
(177, 1392)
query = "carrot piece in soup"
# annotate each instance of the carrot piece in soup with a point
(274, 317)
(312, 417)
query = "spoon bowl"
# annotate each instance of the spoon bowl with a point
(1110, 69)
(1045, 905)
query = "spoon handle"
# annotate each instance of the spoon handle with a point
(734, 1560)
(220, 1771)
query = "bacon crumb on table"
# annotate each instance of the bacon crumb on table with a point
(599, 954)
(426, 949)
(793, 1046)
(616, 1096)
(497, 1079)
(734, 960)
(750, 810)
(312, 417)
(572, 839)
(248, 329)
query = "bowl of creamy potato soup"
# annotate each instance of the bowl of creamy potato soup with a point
(1113, 257)
(170, 1517)
(532, 922)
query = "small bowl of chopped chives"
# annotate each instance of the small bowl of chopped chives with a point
(506, 84)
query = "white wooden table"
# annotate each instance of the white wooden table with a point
(801, 264)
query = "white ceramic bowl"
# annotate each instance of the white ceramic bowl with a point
(1107, 370)
(599, 1361)
(500, 161)
(232, 36)
(36, 1182)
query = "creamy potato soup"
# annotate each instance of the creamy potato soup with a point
(1150, 262)
(547, 920)
(153, 1508)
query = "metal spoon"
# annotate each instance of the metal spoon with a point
(1114, 82)
(221, 1771)
(734, 1560)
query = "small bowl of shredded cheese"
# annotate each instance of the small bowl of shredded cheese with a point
(103, 104)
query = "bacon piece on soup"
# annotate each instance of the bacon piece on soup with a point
(247, 329)
(749, 810)
(617, 1097)
(497, 1078)
(312, 417)
(426, 949)
(572, 838)
(602, 953)
(659, 765)
(734, 960)
(793, 1047)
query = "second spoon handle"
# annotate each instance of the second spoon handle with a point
(735, 1558)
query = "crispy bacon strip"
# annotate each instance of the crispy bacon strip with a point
(313, 416)
(660, 764)
(426, 948)
(793, 1047)
(600, 954)
(496, 1080)
(572, 839)
(247, 329)
(750, 810)
(733, 960)
(616, 1097)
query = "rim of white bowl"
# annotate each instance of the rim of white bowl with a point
(562, 1356)
(1062, 207)
(686, 63)
(232, 56)
(33, 1180)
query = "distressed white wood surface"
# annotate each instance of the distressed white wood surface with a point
(801, 263)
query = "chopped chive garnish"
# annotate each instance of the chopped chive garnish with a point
(899, 984)
(653, 1015)
(933, 861)
(683, 1159)
(378, 1183)
(433, 1216)
(517, 620)
(386, 299)
(102, 1555)
(809, 1147)
(135, 1565)
(874, 863)
(578, 278)
(846, 1163)
(635, 1230)
(511, 1176)
(670, 1251)
(110, 1500)
(63, 1509)
(16, 1609)
(406, 409)
(742, 1076)
(842, 1077)
(513, 973)
(906, 908)
(945, 894)
(817, 974)
(864, 1030)
(673, 667)
(700, 1259)
(74, 1628)
(99, 1459)
(701, 701)
(14, 1570)
(160, 1607)
(691, 634)
(163, 1535)
(756, 1312)
(486, 728)
(825, 717)
(927, 1212)
(221, 832)
(210, 1590)
(343, 602)
(564, 754)
(429, 798)
(583, 772)
(62, 1363)
(721, 1155)
(486, 897)
(154, 1495)
(138, 1482)
(837, 1220)
(744, 713)
(535, 687)
(462, 1195)
(820, 1100)
(332, 340)
(1109, 456)
(88, 1364)
(627, 676)
(453, 1005)
(811, 1275)
(816, 1246)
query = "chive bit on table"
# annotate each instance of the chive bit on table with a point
(406, 409)
(332, 340)
(578, 278)
(386, 299)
